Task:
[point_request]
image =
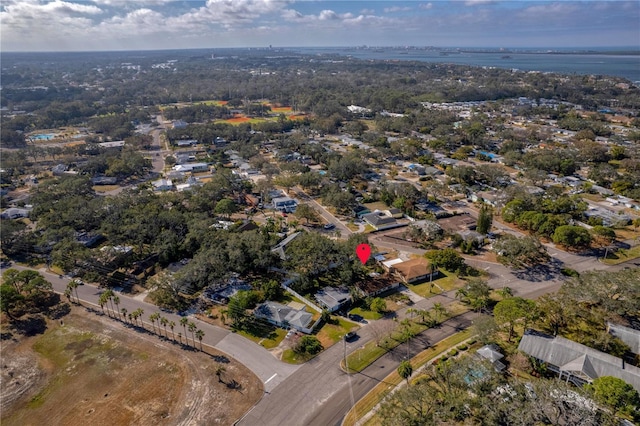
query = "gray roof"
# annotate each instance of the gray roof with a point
(490, 352)
(580, 360)
(378, 218)
(284, 315)
(630, 336)
(332, 298)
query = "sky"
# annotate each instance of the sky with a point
(94, 25)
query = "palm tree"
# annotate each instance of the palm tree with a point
(180, 337)
(405, 369)
(183, 322)
(124, 313)
(200, 335)
(116, 301)
(110, 296)
(130, 318)
(219, 370)
(138, 314)
(192, 329)
(70, 287)
(153, 317)
(505, 292)
(439, 310)
(171, 325)
(102, 301)
(164, 323)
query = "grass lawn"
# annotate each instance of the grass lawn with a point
(352, 226)
(447, 281)
(377, 205)
(361, 358)
(290, 357)
(622, 256)
(366, 314)
(330, 334)
(371, 399)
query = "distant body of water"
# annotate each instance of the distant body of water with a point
(625, 66)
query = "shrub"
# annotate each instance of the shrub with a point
(453, 352)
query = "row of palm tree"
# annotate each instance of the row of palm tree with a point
(110, 298)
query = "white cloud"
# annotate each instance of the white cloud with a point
(396, 9)
(367, 11)
(425, 6)
(478, 2)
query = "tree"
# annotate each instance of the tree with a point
(519, 253)
(219, 370)
(448, 259)
(225, 207)
(124, 314)
(200, 336)
(309, 345)
(439, 310)
(572, 236)
(603, 236)
(514, 310)
(485, 219)
(183, 322)
(305, 211)
(192, 328)
(116, 301)
(405, 369)
(616, 394)
(172, 324)
(164, 321)
(475, 293)
(378, 304)
(10, 299)
(153, 318)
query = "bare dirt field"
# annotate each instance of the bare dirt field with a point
(94, 370)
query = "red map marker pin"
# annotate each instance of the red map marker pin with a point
(363, 251)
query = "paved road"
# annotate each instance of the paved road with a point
(268, 369)
(321, 394)
(326, 215)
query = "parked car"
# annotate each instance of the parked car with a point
(329, 226)
(350, 336)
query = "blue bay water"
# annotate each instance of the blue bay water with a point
(625, 66)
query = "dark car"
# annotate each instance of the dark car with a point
(350, 336)
(329, 226)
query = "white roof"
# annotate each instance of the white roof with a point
(389, 263)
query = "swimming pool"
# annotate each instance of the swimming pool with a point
(44, 136)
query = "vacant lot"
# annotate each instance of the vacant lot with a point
(93, 370)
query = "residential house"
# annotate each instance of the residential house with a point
(281, 247)
(576, 363)
(15, 213)
(630, 336)
(285, 204)
(360, 210)
(458, 223)
(113, 144)
(104, 180)
(378, 284)
(492, 354)
(378, 220)
(191, 167)
(414, 270)
(394, 213)
(332, 299)
(285, 316)
(162, 185)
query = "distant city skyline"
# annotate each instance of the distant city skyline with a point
(94, 25)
